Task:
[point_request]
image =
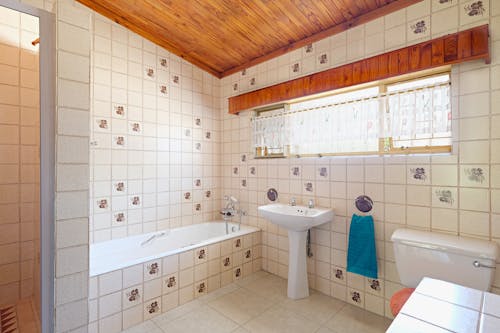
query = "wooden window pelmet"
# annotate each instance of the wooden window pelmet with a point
(463, 46)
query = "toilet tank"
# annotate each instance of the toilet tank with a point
(466, 261)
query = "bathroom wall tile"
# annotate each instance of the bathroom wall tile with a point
(110, 282)
(110, 304)
(474, 199)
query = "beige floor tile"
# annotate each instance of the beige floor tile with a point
(202, 320)
(219, 292)
(177, 312)
(353, 319)
(272, 287)
(317, 307)
(251, 278)
(326, 330)
(241, 330)
(147, 326)
(241, 305)
(279, 320)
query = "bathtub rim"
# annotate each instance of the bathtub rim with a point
(96, 271)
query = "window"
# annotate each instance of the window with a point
(412, 116)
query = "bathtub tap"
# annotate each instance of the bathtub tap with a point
(152, 238)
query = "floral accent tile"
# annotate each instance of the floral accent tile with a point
(187, 196)
(208, 194)
(201, 289)
(247, 255)
(102, 125)
(237, 244)
(339, 274)
(152, 308)
(374, 286)
(243, 158)
(119, 187)
(444, 197)
(295, 171)
(197, 207)
(441, 4)
(149, 73)
(200, 255)
(243, 183)
(119, 141)
(253, 82)
(163, 63)
(473, 11)
(170, 283)
(235, 87)
(474, 176)
(176, 79)
(197, 182)
(419, 28)
(132, 296)
(102, 205)
(135, 201)
(323, 59)
(252, 171)
(134, 127)
(295, 69)
(237, 273)
(322, 173)
(152, 270)
(356, 297)
(208, 135)
(308, 187)
(197, 122)
(236, 171)
(163, 89)
(309, 48)
(197, 146)
(418, 174)
(119, 111)
(120, 217)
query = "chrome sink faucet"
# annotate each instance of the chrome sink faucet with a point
(310, 204)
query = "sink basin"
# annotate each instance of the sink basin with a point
(296, 218)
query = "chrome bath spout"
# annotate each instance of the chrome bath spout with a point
(150, 239)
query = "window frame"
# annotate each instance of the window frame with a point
(385, 145)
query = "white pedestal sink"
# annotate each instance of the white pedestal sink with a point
(297, 220)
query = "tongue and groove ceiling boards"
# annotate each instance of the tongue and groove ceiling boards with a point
(226, 36)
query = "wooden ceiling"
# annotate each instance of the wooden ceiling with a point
(226, 36)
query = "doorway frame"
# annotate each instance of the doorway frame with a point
(47, 77)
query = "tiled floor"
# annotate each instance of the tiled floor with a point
(259, 304)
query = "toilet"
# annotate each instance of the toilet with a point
(466, 261)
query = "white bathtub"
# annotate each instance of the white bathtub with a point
(119, 253)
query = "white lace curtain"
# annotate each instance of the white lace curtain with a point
(413, 118)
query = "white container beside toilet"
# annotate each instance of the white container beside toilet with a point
(466, 261)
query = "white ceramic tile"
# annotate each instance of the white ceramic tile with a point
(442, 314)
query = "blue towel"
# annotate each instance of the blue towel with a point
(361, 254)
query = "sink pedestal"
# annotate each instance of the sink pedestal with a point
(297, 265)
